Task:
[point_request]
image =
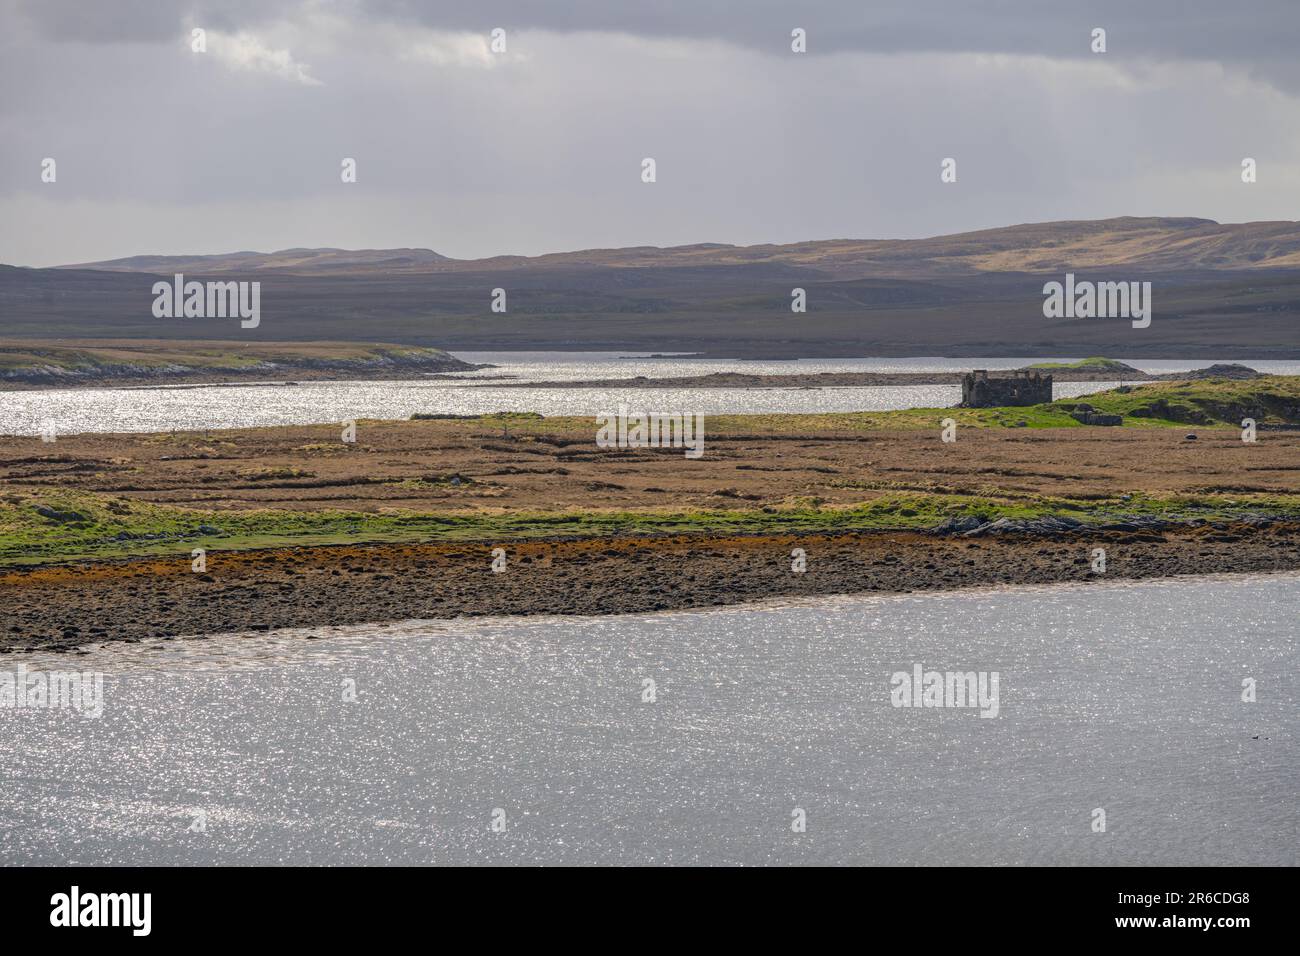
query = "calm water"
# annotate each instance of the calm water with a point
(1122, 696)
(161, 409)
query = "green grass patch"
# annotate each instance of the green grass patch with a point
(1096, 363)
(1270, 399)
(59, 526)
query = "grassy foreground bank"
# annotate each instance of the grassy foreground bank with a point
(96, 527)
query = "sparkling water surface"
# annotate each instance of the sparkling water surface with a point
(165, 408)
(1122, 696)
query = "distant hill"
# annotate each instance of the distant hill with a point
(1148, 244)
(1220, 293)
(298, 261)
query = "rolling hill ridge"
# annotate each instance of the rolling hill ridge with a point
(1150, 244)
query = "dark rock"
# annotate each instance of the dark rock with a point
(1088, 417)
(957, 525)
(56, 515)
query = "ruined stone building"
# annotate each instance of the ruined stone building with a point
(1020, 387)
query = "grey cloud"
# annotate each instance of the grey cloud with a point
(1259, 37)
(1176, 29)
(1264, 30)
(140, 21)
(162, 151)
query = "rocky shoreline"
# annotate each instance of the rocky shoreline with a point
(804, 380)
(63, 608)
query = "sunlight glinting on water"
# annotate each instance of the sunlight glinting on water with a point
(1119, 695)
(74, 411)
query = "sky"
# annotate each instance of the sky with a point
(160, 149)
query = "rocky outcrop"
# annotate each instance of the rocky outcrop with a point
(1085, 414)
(1052, 525)
(1219, 370)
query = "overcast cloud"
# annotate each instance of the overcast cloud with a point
(163, 150)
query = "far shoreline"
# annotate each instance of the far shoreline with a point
(143, 365)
